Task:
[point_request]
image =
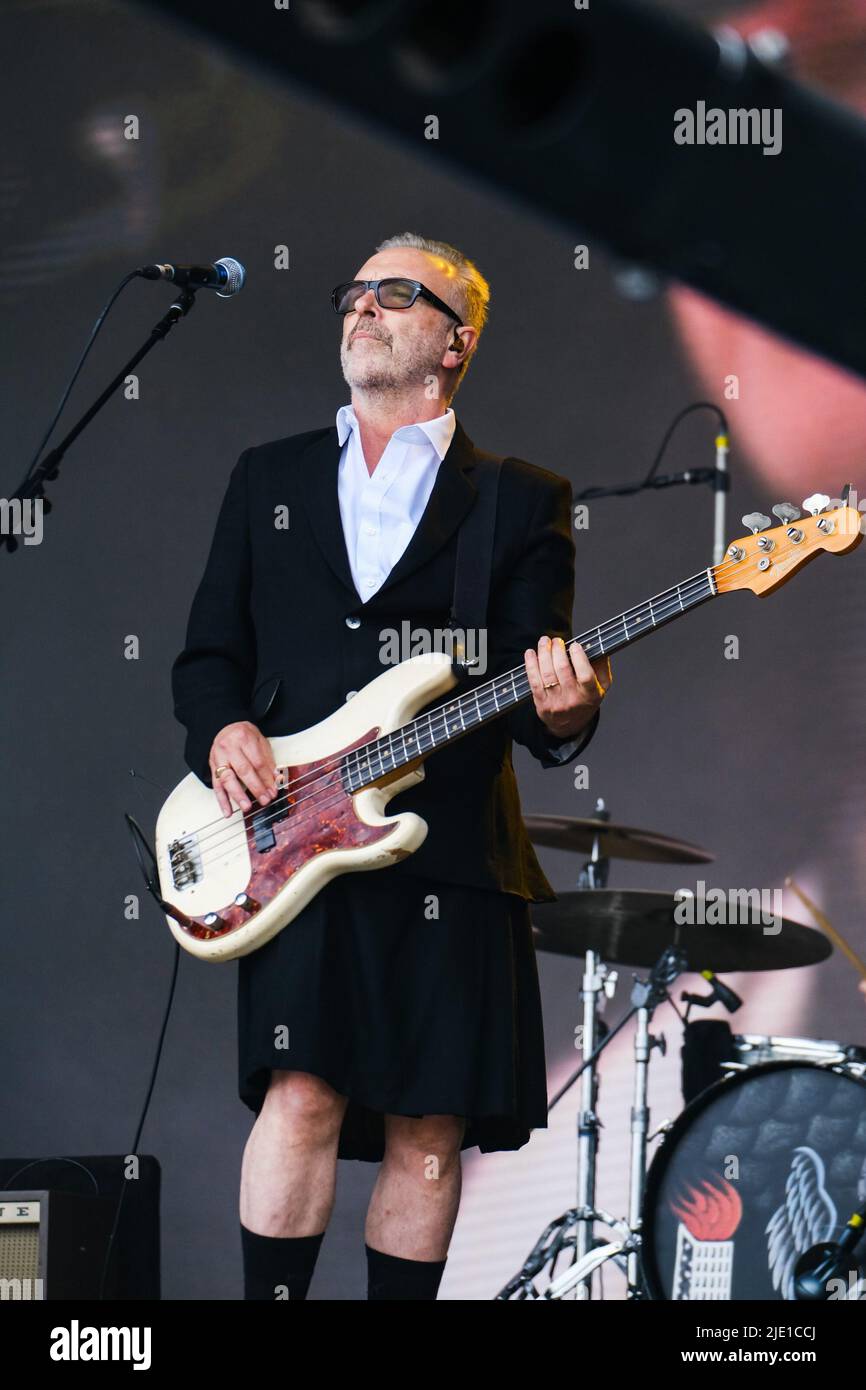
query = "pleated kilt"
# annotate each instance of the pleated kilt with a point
(410, 997)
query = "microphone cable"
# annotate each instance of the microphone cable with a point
(133, 274)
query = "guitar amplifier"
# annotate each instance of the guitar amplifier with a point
(52, 1244)
(54, 1236)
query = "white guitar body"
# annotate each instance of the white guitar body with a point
(230, 897)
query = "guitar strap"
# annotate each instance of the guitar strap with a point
(474, 565)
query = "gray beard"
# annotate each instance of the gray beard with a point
(387, 376)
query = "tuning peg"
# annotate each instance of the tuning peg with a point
(818, 502)
(786, 512)
(756, 521)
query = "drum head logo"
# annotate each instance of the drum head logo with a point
(709, 1216)
(754, 1173)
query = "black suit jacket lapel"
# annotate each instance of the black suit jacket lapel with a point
(452, 496)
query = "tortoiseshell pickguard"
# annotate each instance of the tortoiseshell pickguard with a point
(325, 821)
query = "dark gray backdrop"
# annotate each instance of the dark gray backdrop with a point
(747, 757)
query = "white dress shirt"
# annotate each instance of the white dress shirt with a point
(381, 510)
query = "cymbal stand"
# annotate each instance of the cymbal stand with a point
(598, 982)
(589, 1254)
(645, 998)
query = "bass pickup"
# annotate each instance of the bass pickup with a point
(266, 818)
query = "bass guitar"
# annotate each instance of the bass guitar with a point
(228, 885)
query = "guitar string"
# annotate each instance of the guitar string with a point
(679, 592)
(717, 571)
(352, 758)
(350, 761)
(483, 696)
(486, 695)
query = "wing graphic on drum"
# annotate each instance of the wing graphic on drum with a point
(806, 1217)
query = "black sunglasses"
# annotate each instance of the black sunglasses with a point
(393, 293)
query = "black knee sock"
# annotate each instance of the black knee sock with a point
(389, 1277)
(277, 1266)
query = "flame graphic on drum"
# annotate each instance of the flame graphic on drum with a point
(711, 1211)
(709, 1215)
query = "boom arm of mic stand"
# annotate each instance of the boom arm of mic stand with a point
(576, 1075)
(690, 476)
(646, 994)
(33, 485)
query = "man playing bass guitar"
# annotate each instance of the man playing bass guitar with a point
(397, 1019)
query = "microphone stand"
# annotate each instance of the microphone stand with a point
(33, 485)
(721, 485)
(575, 1228)
(718, 477)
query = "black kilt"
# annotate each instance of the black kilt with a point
(403, 1011)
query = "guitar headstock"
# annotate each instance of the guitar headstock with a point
(770, 555)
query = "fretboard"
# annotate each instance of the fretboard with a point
(446, 723)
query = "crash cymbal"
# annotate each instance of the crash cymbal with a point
(634, 928)
(615, 841)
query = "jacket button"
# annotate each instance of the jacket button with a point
(350, 694)
(353, 620)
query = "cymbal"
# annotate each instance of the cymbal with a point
(634, 928)
(615, 841)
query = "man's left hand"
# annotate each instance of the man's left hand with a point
(567, 688)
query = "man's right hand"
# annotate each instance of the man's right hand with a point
(242, 757)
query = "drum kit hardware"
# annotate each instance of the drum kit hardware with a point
(598, 837)
(747, 1195)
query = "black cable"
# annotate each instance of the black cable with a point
(72, 380)
(134, 1150)
(142, 849)
(38, 1162)
(695, 475)
(696, 405)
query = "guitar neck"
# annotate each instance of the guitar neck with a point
(634, 623)
(485, 702)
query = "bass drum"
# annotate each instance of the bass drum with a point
(757, 1169)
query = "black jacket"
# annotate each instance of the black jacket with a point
(269, 641)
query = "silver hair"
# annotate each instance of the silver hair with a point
(472, 289)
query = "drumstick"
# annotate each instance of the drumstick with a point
(835, 937)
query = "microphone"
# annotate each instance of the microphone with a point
(693, 476)
(721, 994)
(823, 1263)
(226, 276)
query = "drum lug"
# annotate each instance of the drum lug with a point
(662, 1132)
